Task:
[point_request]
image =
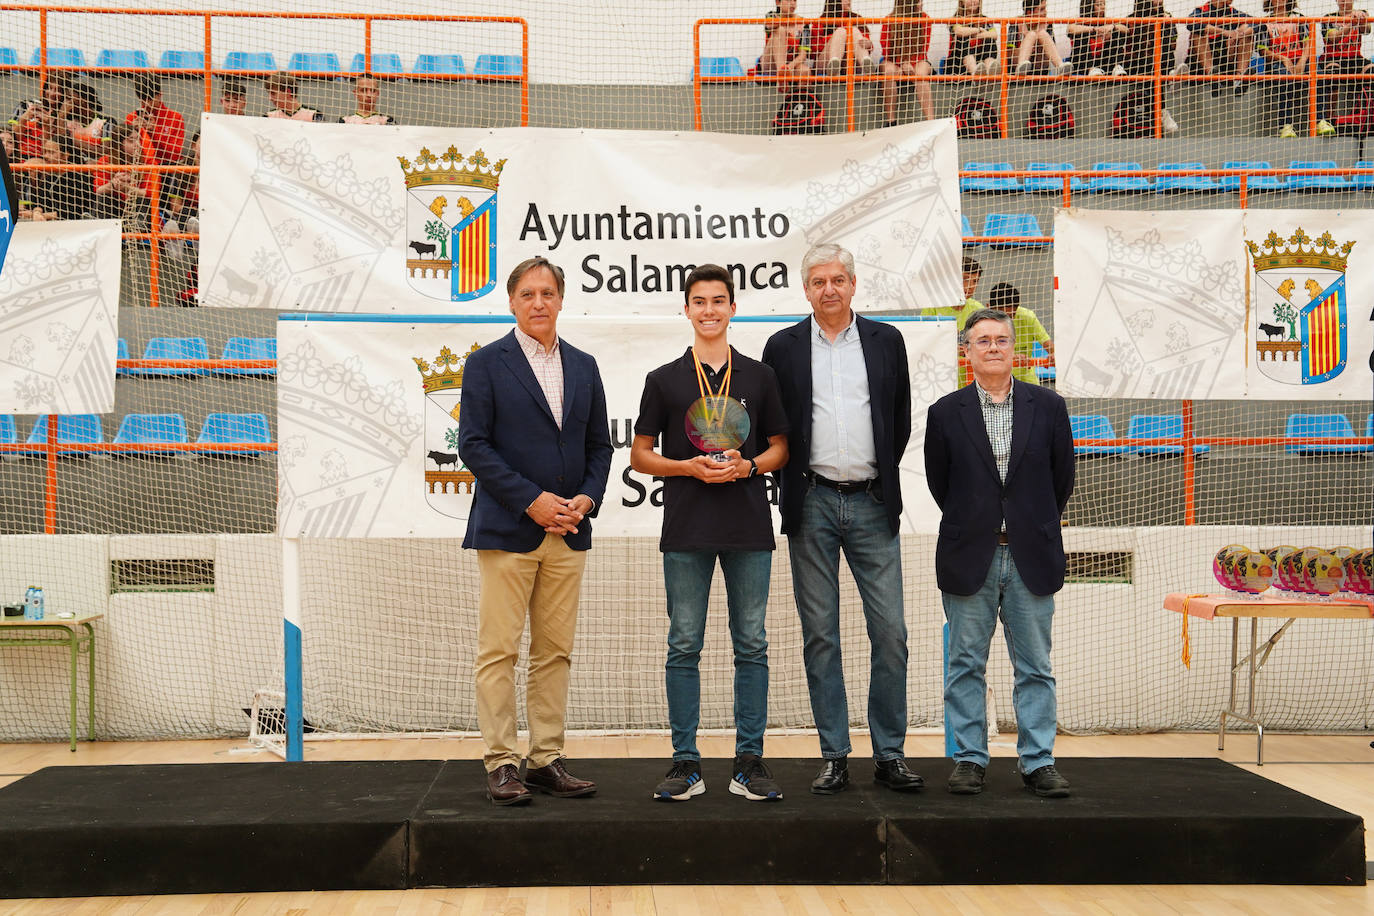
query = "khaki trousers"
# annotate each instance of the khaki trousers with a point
(545, 584)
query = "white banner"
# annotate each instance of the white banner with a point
(1222, 304)
(429, 220)
(365, 452)
(59, 295)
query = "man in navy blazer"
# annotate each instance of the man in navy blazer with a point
(533, 431)
(999, 462)
(846, 388)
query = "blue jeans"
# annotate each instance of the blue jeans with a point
(687, 578)
(1027, 620)
(857, 524)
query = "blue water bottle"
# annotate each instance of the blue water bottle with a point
(33, 603)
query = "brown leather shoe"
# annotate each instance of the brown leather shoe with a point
(555, 780)
(505, 788)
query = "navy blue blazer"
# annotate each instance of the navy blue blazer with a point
(508, 439)
(889, 396)
(962, 475)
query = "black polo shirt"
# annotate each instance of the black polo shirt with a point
(715, 516)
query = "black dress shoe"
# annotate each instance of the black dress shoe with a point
(967, 778)
(505, 788)
(1046, 782)
(833, 777)
(895, 775)
(554, 779)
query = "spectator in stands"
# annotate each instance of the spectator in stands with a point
(833, 39)
(233, 95)
(715, 512)
(786, 47)
(1006, 298)
(906, 52)
(1341, 37)
(178, 217)
(1285, 48)
(973, 272)
(122, 193)
(536, 438)
(35, 120)
(1138, 56)
(281, 95)
(163, 127)
(85, 122)
(1097, 46)
(59, 195)
(1224, 45)
(973, 40)
(366, 91)
(1000, 552)
(1034, 42)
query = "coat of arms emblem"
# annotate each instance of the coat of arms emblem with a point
(451, 223)
(448, 485)
(1298, 301)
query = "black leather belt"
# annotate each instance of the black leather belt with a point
(1002, 540)
(841, 486)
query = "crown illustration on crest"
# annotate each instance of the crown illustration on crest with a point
(447, 370)
(427, 170)
(1323, 252)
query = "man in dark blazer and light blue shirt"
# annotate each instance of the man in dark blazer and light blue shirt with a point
(846, 389)
(999, 462)
(533, 431)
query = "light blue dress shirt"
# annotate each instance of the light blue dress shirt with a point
(841, 419)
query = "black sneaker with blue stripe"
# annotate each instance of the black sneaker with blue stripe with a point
(682, 782)
(753, 781)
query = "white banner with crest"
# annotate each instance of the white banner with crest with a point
(59, 298)
(365, 450)
(429, 220)
(1223, 304)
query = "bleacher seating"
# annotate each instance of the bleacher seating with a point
(967, 229)
(1013, 224)
(249, 348)
(1335, 426)
(174, 348)
(59, 57)
(721, 66)
(381, 63)
(121, 352)
(137, 428)
(440, 64)
(234, 427)
(1102, 184)
(498, 65)
(250, 60)
(313, 62)
(182, 60)
(125, 59)
(1317, 182)
(1184, 182)
(1043, 373)
(1160, 426)
(9, 433)
(986, 184)
(1051, 185)
(9, 57)
(73, 428)
(1094, 426)
(1255, 182)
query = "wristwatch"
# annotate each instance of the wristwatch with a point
(753, 467)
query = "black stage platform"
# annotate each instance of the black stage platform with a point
(244, 827)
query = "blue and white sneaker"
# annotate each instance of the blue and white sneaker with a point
(682, 782)
(753, 781)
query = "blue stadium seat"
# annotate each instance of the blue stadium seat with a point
(75, 428)
(1104, 184)
(988, 184)
(1020, 224)
(182, 60)
(138, 428)
(1052, 185)
(1326, 426)
(1094, 426)
(9, 434)
(498, 65)
(9, 57)
(250, 60)
(381, 63)
(1184, 182)
(174, 348)
(113, 57)
(1043, 373)
(1256, 183)
(59, 57)
(234, 427)
(443, 64)
(249, 348)
(1317, 182)
(1162, 426)
(313, 62)
(720, 66)
(1363, 182)
(967, 230)
(121, 352)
